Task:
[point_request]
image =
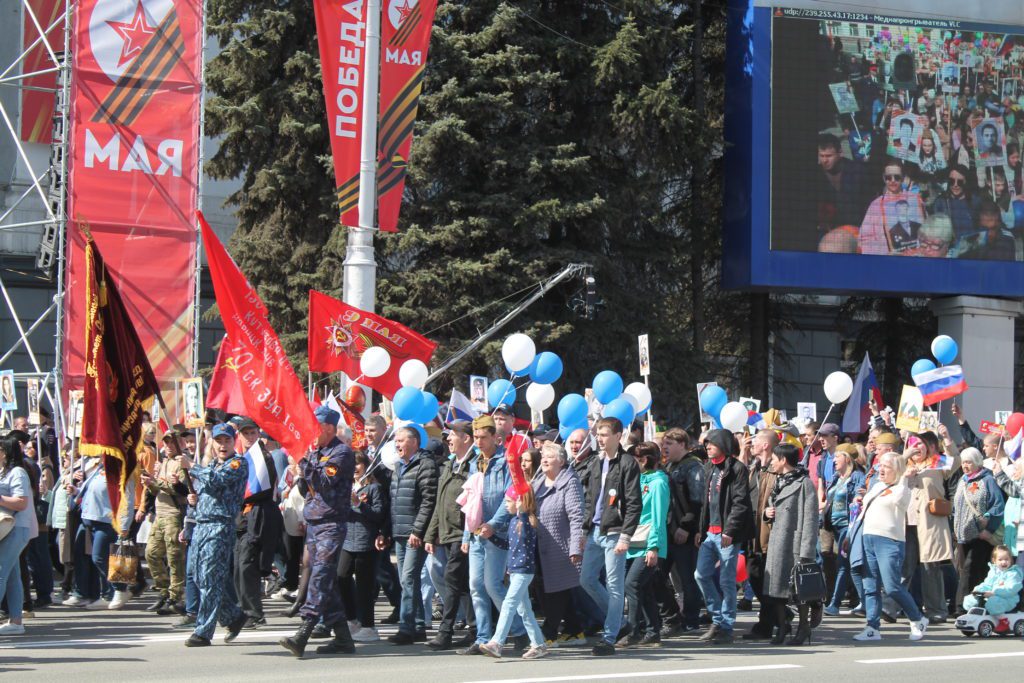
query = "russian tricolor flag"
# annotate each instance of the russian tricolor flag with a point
(1013, 446)
(858, 410)
(259, 476)
(941, 383)
(460, 408)
(756, 420)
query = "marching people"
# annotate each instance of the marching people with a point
(358, 556)
(16, 501)
(328, 471)
(685, 468)
(166, 493)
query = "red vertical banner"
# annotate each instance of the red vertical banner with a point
(340, 32)
(405, 39)
(134, 170)
(37, 105)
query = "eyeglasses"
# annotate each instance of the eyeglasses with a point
(958, 181)
(893, 177)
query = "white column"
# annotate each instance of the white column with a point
(360, 268)
(984, 330)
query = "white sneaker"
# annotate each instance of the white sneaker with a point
(366, 635)
(119, 601)
(868, 634)
(12, 629)
(280, 594)
(98, 603)
(354, 625)
(74, 601)
(917, 629)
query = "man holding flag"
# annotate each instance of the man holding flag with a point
(259, 530)
(328, 470)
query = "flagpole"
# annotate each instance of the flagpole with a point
(360, 267)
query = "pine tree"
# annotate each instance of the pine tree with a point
(548, 133)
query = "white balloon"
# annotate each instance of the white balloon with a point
(389, 455)
(734, 416)
(518, 352)
(540, 396)
(375, 361)
(838, 387)
(413, 373)
(639, 395)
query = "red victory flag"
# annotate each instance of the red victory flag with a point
(225, 393)
(119, 382)
(271, 392)
(339, 334)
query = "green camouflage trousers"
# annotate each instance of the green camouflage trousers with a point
(166, 558)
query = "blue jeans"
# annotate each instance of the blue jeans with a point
(720, 595)
(91, 570)
(487, 586)
(600, 553)
(10, 570)
(517, 605)
(844, 575)
(432, 578)
(882, 570)
(191, 587)
(410, 564)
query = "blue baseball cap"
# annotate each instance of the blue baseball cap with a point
(223, 429)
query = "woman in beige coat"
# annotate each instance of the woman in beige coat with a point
(934, 539)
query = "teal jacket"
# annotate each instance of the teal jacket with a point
(654, 490)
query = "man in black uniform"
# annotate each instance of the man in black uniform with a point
(328, 472)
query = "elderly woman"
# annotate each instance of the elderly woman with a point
(977, 513)
(838, 500)
(648, 544)
(559, 496)
(877, 547)
(793, 514)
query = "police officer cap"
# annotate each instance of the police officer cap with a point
(223, 429)
(325, 415)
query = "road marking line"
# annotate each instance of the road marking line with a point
(639, 674)
(182, 637)
(898, 660)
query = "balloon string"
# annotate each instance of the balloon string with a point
(506, 392)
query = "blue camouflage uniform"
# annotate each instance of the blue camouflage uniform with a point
(328, 472)
(221, 488)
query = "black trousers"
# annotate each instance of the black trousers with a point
(292, 550)
(556, 608)
(357, 572)
(247, 576)
(456, 587)
(755, 573)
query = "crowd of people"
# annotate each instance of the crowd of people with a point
(926, 164)
(607, 540)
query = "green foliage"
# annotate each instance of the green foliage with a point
(548, 133)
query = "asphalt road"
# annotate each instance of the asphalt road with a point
(130, 645)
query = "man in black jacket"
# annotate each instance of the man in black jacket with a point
(444, 537)
(413, 494)
(685, 468)
(727, 521)
(611, 516)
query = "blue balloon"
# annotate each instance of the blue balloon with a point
(428, 408)
(572, 410)
(501, 391)
(547, 368)
(944, 349)
(607, 386)
(622, 409)
(921, 365)
(424, 437)
(566, 429)
(408, 403)
(712, 400)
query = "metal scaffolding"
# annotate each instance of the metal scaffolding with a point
(50, 187)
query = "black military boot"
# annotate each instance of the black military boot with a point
(342, 643)
(297, 643)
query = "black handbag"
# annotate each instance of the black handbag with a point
(807, 583)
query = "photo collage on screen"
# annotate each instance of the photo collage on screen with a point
(897, 140)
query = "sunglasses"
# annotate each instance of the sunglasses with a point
(958, 181)
(893, 177)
